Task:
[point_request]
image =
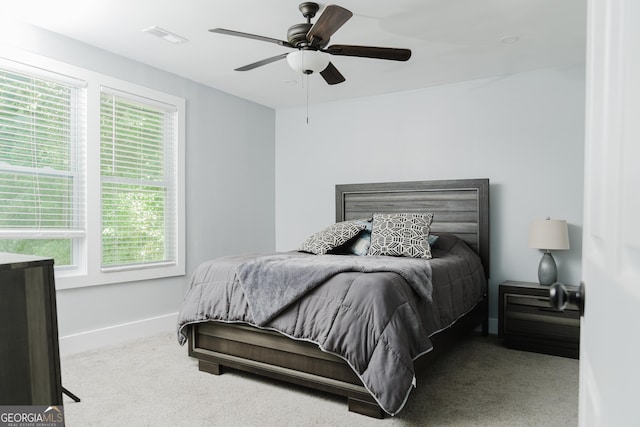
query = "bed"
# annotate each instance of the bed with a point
(302, 355)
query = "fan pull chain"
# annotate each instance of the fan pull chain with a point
(307, 77)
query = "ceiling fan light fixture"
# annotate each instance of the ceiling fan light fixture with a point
(308, 61)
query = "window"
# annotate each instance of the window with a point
(91, 173)
(137, 184)
(40, 180)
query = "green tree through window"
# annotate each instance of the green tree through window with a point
(38, 174)
(91, 172)
(136, 182)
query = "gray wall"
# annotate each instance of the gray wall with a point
(524, 132)
(230, 149)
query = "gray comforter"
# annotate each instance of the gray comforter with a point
(377, 321)
(272, 282)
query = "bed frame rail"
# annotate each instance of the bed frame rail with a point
(217, 345)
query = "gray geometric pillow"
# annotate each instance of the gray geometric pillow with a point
(401, 234)
(359, 245)
(331, 237)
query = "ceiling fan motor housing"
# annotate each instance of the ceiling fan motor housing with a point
(297, 34)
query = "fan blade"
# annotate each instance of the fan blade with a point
(331, 75)
(250, 36)
(263, 62)
(332, 18)
(369, 52)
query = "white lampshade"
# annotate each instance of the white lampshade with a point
(549, 234)
(308, 61)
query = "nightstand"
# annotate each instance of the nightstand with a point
(526, 321)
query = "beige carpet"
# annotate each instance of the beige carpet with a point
(152, 382)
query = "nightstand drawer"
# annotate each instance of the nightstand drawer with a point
(536, 301)
(532, 325)
(544, 312)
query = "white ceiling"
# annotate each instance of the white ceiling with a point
(451, 40)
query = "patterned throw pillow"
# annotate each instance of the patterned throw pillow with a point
(359, 245)
(331, 237)
(401, 234)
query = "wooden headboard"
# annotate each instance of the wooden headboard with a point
(459, 207)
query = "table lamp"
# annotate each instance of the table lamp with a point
(548, 234)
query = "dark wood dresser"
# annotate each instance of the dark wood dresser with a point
(29, 354)
(526, 320)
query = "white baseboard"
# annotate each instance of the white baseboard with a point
(91, 340)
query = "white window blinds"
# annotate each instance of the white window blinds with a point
(138, 180)
(41, 187)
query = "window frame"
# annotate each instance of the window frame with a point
(87, 256)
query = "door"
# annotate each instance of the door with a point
(610, 344)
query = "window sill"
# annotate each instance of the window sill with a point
(67, 280)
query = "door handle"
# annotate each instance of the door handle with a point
(559, 297)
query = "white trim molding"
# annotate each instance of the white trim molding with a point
(116, 334)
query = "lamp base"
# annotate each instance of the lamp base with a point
(547, 270)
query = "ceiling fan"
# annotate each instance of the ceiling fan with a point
(311, 40)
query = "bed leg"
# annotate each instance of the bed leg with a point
(485, 327)
(365, 408)
(210, 367)
(485, 316)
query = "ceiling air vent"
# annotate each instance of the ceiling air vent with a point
(166, 35)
